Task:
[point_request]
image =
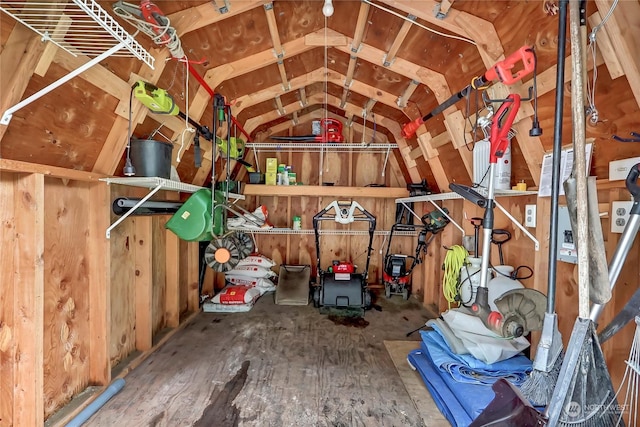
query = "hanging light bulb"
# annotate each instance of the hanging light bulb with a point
(327, 9)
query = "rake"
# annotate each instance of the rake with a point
(583, 395)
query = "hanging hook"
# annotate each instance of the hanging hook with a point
(636, 138)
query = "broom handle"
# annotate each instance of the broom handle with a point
(578, 56)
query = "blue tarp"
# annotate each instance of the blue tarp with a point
(466, 368)
(460, 385)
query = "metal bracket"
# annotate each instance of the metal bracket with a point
(222, 9)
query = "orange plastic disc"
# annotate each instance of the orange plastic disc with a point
(222, 255)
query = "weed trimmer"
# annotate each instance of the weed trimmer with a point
(511, 323)
(583, 394)
(549, 353)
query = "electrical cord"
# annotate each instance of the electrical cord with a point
(453, 262)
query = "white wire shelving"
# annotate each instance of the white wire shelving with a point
(320, 146)
(327, 232)
(80, 27)
(432, 198)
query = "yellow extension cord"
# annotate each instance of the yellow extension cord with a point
(453, 262)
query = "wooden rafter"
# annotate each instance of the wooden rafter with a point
(361, 25)
(480, 31)
(315, 76)
(197, 17)
(402, 99)
(623, 28)
(277, 45)
(390, 56)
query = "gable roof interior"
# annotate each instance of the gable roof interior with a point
(268, 58)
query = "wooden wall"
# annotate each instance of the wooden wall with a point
(75, 307)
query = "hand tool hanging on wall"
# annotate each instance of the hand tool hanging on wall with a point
(331, 132)
(501, 71)
(149, 19)
(159, 101)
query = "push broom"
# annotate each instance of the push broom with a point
(583, 395)
(549, 353)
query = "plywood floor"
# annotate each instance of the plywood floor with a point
(276, 366)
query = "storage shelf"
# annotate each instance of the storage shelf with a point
(432, 198)
(318, 146)
(288, 231)
(153, 182)
(324, 191)
(452, 195)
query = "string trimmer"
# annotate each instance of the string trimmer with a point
(501, 71)
(159, 101)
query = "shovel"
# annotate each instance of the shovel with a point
(599, 288)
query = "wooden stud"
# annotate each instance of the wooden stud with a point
(99, 285)
(193, 276)
(172, 279)
(28, 299)
(390, 56)
(143, 282)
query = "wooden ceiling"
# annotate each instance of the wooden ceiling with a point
(384, 62)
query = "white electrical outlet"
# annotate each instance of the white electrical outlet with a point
(619, 215)
(530, 215)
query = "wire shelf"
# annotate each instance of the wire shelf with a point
(285, 231)
(80, 27)
(153, 182)
(452, 195)
(319, 146)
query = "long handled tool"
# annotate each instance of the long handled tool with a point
(632, 307)
(584, 388)
(502, 71)
(549, 353)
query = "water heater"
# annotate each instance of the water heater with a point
(502, 174)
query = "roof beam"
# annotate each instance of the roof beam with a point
(277, 45)
(624, 29)
(480, 31)
(194, 18)
(390, 56)
(318, 75)
(361, 24)
(303, 97)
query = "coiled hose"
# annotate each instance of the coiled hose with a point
(453, 262)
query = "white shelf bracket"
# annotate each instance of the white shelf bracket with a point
(6, 116)
(133, 208)
(520, 226)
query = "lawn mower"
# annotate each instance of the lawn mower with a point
(396, 274)
(340, 286)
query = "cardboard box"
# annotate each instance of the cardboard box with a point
(270, 178)
(272, 165)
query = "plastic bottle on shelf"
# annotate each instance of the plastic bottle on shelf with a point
(297, 223)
